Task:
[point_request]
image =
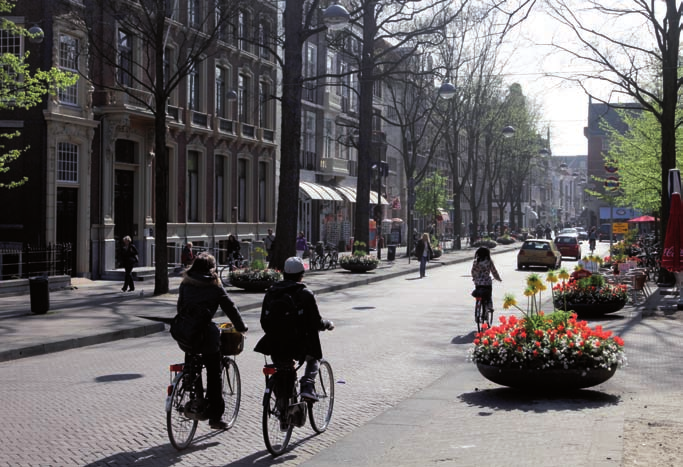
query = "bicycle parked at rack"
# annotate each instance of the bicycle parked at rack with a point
(331, 258)
(315, 256)
(185, 401)
(284, 409)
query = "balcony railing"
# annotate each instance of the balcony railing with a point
(248, 131)
(200, 119)
(334, 166)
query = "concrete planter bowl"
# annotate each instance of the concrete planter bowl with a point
(558, 380)
(591, 309)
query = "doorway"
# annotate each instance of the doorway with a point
(67, 220)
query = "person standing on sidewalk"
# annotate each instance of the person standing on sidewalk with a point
(423, 251)
(268, 242)
(129, 258)
(187, 255)
(301, 245)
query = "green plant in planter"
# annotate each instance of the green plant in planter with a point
(257, 271)
(360, 257)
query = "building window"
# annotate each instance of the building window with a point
(222, 21)
(241, 29)
(241, 190)
(329, 138)
(194, 13)
(125, 69)
(264, 39)
(67, 163)
(220, 189)
(264, 105)
(193, 89)
(220, 92)
(243, 98)
(262, 189)
(193, 186)
(10, 43)
(68, 61)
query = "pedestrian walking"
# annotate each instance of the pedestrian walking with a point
(187, 256)
(268, 242)
(129, 258)
(301, 245)
(423, 251)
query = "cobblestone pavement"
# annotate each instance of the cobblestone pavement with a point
(405, 394)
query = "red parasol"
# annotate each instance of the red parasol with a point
(643, 219)
(671, 256)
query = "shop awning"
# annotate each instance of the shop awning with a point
(315, 191)
(350, 194)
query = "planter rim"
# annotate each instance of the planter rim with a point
(555, 379)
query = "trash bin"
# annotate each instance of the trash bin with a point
(391, 253)
(40, 295)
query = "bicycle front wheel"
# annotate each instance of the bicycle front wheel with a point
(225, 276)
(232, 390)
(477, 315)
(276, 431)
(180, 429)
(320, 411)
(326, 263)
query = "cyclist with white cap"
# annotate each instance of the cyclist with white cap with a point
(291, 321)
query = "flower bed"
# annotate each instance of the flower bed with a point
(591, 291)
(254, 280)
(359, 261)
(554, 341)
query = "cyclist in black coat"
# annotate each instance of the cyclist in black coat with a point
(305, 345)
(202, 289)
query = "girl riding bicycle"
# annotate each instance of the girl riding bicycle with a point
(482, 270)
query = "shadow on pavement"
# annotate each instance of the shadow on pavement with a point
(515, 400)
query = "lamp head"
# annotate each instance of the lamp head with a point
(336, 17)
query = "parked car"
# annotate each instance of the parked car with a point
(539, 252)
(569, 245)
(568, 231)
(583, 235)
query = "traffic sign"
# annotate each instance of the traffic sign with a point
(620, 228)
(611, 183)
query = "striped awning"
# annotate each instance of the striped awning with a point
(350, 194)
(321, 192)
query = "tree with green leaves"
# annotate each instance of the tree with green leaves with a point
(431, 195)
(22, 89)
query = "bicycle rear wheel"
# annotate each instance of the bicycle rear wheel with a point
(232, 390)
(326, 262)
(276, 431)
(180, 428)
(320, 411)
(225, 276)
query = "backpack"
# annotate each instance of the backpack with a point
(190, 326)
(283, 316)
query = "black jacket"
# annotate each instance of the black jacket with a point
(207, 291)
(420, 248)
(129, 256)
(311, 324)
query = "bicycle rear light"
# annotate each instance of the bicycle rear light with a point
(269, 370)
(176, 367)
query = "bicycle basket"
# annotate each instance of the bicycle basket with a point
(232, 342)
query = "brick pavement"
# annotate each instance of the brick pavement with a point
(443, 422)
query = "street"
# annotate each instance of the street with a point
(104, 404)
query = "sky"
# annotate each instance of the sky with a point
(563, 106)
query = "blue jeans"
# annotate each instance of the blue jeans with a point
(423, 265)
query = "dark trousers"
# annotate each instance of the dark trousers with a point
(214, 385)
(128, 279)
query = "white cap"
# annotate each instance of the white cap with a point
(294, 265)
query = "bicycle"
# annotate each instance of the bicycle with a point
(235, 261)
(185, 402)
(331, 259)
(283, 409)
(483, 311)
(315, 257)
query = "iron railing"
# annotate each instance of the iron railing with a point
(28, 261)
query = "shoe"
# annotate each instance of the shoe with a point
(218, 425)
(123, 290)
(308, 392)
(132, 289)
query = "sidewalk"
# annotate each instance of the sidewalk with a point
(94, 312)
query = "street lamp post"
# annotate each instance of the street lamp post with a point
(448, 91)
